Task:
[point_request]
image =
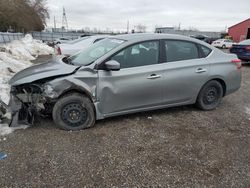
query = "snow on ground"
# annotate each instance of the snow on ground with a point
(5, 129)
(15, 57)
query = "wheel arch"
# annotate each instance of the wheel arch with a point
(220, 80)
(79, 91)
(223, 84)
(74, 90)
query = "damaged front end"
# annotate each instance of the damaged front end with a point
(29, 90)
(35, 90)
(26, 101)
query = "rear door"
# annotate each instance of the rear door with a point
(138, 84)
(185, 71)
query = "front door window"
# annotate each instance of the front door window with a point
(142, 54)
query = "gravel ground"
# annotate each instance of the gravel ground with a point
(176, 147)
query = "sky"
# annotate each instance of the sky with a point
(205, 15)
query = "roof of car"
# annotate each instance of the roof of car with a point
(141, 36)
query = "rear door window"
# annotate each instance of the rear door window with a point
(180, 50)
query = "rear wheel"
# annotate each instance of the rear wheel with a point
(74, 112)
(224, 46)
(210, 95)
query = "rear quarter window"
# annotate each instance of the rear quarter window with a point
(205, 51)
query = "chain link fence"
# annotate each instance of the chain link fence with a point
(8, 37)
(52, 36)
(43, 36)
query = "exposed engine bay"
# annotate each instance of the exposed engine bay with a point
(26, 101)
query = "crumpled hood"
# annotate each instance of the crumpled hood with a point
(54, 67)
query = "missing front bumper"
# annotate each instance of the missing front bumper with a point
(16, 113)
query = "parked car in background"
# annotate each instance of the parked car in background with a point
(223, 43)
(124, 74)
(210, 40)
(200, 37)
(77, 45)
(62, 40)
(242, 50)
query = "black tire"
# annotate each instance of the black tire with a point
(224, 46)
(210, 95)
(74, 112)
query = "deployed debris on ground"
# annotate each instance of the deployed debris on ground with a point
(3, 156)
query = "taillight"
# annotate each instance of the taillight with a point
(237, 62)
(59, 52)
(247, 48)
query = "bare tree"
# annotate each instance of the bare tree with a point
(20, 15)
(40, 7)
(140, 28)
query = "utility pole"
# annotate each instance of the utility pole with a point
(54, 23)
(128, 26)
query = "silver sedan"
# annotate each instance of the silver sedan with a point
(125, 74)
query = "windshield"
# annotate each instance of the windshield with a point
(245, 42)
(95, 51)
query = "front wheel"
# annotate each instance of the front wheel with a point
(210, 95)
(74, 112)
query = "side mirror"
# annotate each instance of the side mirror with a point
(112, 65)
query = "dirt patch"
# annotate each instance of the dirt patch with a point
(177, 147)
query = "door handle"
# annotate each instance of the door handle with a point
(200, 70)
(154, 76)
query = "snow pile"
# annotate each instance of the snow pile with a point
(36, 47)
(8, 67)
(19, 51)
(5, 129)
(28, 48)
(15, 57)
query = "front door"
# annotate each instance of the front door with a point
(137, 85)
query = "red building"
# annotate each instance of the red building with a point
(240, 31)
